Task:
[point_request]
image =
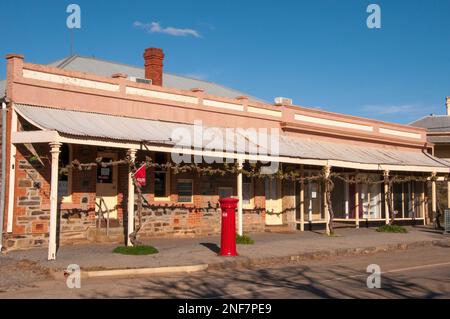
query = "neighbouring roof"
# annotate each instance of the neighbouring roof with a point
(94, 125)
(439, 124)
(434, 123)
(107, 68)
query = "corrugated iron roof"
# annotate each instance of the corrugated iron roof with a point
(108, 68)
(94, 125)
(434, 123)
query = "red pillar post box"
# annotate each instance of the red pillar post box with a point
(228, 236)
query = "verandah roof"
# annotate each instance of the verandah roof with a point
(93, 125)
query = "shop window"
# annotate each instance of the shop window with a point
(185, 190)
(65, 175)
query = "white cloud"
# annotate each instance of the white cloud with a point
(155, 27)
(392, 109)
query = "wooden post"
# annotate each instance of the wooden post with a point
(413, 200)
(240, 196)
(403, 200)
(327, 209)
(12, 175)
(130, 207)
(422, 205)
(302, 201)
(409, 199)
(386, 196)
(433, 194)
(55, 150)
(356, 206)
(448, 192)
(347, 200)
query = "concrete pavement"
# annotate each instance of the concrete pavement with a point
(268, 247)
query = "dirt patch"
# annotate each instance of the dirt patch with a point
(16, 274)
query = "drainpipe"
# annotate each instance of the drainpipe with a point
(2, 190)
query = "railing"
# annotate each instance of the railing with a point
(101, 214)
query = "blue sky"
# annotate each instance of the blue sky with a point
(319, 53)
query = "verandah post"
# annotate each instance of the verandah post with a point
(386, 196)
(327, 170)
(433, 195)
(240, 196)
(130, 206)
(356, 203)
(55, 150)
(302, 200)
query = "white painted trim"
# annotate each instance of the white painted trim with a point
(68, 80)
(161, 95)
(258, 110)
(400, 133)
(322, 121)
(12, 174)
(223, 105)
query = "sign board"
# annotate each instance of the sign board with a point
(140, 175)
(447, 221)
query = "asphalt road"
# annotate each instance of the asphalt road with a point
(417, 273)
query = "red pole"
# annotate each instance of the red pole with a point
(228, 236)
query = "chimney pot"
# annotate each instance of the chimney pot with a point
(154, 58)
(14, 56)
(119, 75)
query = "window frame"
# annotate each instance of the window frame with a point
(251, 195)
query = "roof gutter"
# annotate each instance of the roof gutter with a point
(3, 179)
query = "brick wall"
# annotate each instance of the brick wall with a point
(77, 218)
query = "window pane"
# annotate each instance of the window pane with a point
(160, 184)
(160, 158)
(63, 189)
(63, 177)
(184, 191)
(246, 193)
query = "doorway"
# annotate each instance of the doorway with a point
(274, 214)
(106, 187)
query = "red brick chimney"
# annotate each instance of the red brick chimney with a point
(153, 58)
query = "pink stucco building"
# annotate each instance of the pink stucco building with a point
(83, 109)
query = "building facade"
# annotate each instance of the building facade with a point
(64, 122)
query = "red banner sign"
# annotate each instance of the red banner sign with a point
(140, 175)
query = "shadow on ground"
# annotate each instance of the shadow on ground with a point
(292, 282)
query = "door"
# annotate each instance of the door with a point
(313, 201)
(274, 214)
(106, 187)
(371, 200)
